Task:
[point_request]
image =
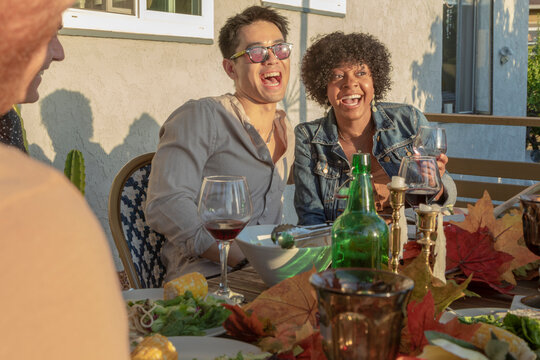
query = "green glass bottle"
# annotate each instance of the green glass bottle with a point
(359, 235)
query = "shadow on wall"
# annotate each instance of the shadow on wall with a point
(68, 118)
(295, 98)
(292, 98)
(423, 80)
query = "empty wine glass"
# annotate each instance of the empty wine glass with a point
(430, 141)
(422, 177)
(225, 209)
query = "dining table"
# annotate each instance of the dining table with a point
(248, 282)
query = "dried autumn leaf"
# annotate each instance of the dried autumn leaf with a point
(310, 348)
(446, 294)
(420, 273)
(246, 326)
(443, 294)
(286, 337)
(473, 253)
(527, 272)
(290, 301)
(480, 215)
(507, 233)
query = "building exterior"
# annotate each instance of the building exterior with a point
(127, 68)
(534, 20)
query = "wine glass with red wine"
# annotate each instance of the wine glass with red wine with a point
(422, 178)
(225, 209)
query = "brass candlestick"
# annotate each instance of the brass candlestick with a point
(427, 225)
(397, 200)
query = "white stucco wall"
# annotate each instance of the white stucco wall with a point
(110, 96)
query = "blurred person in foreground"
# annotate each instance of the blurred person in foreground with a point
(60, 290)
(11, 131)
(350, 73)
(234, 134)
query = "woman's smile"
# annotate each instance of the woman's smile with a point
(350, 91)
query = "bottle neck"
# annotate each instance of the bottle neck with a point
(361, 189)
(361, 193)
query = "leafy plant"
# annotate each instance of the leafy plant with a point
(533, 80)
(533, 92)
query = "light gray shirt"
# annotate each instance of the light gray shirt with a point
(210, 136)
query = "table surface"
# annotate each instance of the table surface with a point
(248, 282)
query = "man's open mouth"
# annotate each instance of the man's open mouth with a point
(271, 78)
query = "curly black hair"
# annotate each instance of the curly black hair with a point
(228, 35)
(338, 49)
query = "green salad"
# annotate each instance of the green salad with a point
(524, 323)
(182, 316)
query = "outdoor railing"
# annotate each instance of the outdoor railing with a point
(474, 189)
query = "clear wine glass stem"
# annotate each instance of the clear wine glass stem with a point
(223, 256)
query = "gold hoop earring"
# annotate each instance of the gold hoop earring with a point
(373, 106)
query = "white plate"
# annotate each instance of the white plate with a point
(208, 348)
(141, 294)
(447, 316)
(157, 294)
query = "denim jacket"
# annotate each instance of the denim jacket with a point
(321, 165)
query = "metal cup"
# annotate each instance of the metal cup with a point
(361, 312)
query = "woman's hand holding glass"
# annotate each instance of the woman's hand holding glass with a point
(431, 141)
(422, 177)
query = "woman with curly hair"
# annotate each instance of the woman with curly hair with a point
(351, 74)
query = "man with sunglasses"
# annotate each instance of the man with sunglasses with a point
(234, 134)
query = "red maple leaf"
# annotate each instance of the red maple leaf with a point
(507, 234)
(473, 253)
(421, 317)
(312, 349)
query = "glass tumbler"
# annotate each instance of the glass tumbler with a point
(361, 312)
(531, 224)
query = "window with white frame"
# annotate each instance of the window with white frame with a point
(467, 53)
(164, 19)
(327, 7)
